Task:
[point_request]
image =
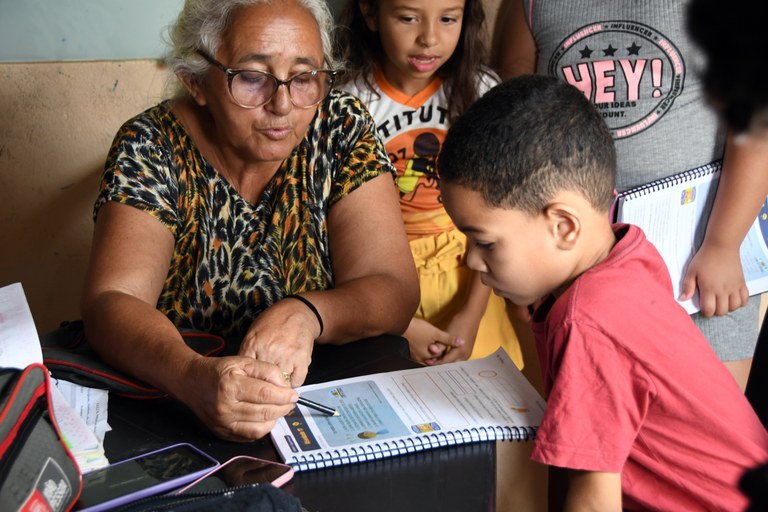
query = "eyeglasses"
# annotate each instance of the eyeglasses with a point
(252, 89)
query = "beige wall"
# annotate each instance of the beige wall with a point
(56, 123)
(57, 120)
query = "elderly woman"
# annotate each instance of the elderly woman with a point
(257, 205)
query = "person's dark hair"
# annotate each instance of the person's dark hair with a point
(361, 50)
(731, 36)
(754, 484)
(525, 140)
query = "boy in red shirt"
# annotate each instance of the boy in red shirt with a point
(640, 411)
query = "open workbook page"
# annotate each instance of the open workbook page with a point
(388, 414)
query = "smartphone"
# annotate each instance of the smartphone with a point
(152, 473)
(241, 470)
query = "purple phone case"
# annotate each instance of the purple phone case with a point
(155, 489)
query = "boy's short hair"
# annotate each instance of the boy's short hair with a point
(525, 140)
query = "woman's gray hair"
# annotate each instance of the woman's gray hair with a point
(201, 24)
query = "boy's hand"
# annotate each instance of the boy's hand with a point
(717, 273)
(459, 351)
(430, 345)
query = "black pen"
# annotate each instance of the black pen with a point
(318, 407)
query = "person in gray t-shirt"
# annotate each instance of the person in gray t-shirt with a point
(635, 61)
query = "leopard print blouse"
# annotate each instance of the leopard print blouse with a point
(233, 259)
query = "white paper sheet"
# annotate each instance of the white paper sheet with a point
(19, 343)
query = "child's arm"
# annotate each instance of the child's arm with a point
(590, 491)
(430, 345)
(716, 268)
(517, 47)
(466, 322)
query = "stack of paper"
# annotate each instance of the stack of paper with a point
(80, 412)
(87, 449)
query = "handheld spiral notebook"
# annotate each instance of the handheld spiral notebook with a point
(391, 414)
(673, 212)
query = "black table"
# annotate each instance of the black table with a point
(458, 478)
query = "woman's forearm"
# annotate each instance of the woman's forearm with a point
(376, 288)
(364, 307)
(136, 338)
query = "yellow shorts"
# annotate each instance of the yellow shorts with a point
(444, 279)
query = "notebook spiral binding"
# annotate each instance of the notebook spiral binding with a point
(661, 184)
(394, 447)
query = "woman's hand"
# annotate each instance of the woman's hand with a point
(284, 335)
(238, 398)
(716, 271)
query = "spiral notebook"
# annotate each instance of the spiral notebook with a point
(391, 414)
(673, 212)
